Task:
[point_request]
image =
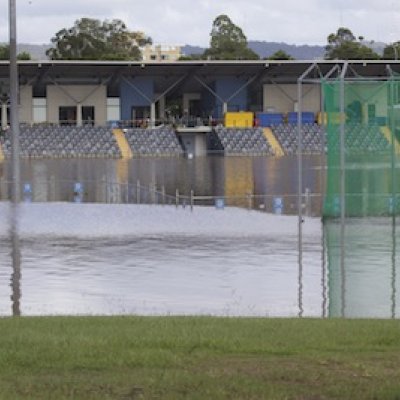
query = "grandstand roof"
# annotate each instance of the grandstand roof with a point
(166, 73)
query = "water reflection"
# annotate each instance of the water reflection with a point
(206, 274)
(115, 181)
(15, 281)
(366, 286)
(156, 274)
(16, 275)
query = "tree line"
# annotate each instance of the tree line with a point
(92, 39)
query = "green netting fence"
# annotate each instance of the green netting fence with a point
(363, 147)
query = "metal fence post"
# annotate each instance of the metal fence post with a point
(308, 202)
(153, 190)
(249, 201)
(138, 192)
(191, 200)
(163, 194)
(177, 198)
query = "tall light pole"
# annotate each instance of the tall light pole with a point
(14, 86)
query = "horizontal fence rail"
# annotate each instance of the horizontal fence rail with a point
(111, 192)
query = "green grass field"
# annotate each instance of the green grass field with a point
(198, 358)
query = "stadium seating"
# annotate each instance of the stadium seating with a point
(243, 141)
(287, 135)
(44, 141)
(153, 142)
(360, 138)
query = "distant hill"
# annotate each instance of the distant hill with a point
(262, 48)
(37, 51)
(378, 47)
(299, 52)
(266, 49)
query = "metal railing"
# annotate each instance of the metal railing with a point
(112, 192)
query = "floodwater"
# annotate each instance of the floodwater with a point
(163, 260)
(116, 181)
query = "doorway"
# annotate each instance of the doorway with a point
(140, 116)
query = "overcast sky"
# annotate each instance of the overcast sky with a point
(179, 22)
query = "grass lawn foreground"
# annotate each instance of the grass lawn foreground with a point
(198, 358)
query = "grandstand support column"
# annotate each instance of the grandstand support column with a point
(161, 98)
(213, 92)
(4, 115)
(78, 114)
(226, 101)
(153, 101)
(161, 108)
(153, 114)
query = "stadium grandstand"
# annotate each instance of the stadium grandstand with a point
(133, 109)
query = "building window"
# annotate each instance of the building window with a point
(67, 115)
(88, 115)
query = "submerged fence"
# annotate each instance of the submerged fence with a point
(111, 192)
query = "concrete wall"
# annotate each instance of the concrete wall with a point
(70, 95)
(282, 98)
(39, 110)
(25, 104)
(113, 109)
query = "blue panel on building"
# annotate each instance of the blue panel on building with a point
(269, 119)
(225, 87)
(306, 117)
(131, 97)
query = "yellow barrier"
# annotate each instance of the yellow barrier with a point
(388, 135)
(272, 140)
(322, 118)
(335, 118)
(1, 154)
(241, 119)
(122, 144)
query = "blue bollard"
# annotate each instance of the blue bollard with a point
(27, 193)
(277, 205)
(219, 204)
(78, 192)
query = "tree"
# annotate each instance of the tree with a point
(5, 53)
(228, 42)
(280, 55)
(24, 56)
(343, 45)
(392, 51)
(91, 39)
